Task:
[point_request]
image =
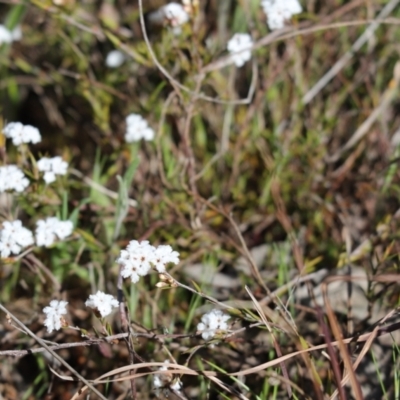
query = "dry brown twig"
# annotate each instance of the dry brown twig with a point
(52, 352)
(90, 182)
(355, 339)
(349, 54)
(173, 368)
(387, 98)
(263, 317)
(344, 352)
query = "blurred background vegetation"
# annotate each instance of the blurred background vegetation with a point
(267, 163)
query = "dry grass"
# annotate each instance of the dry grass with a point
(282, 201)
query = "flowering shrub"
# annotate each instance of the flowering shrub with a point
(185, 231)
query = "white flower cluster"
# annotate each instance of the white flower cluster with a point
(20, 133)
(137, 128)
(12, 178)
(175, 15)
(102, 302)
(211, 322)
(172, 14)
(54, 315)
(240, 48)
(279, 11)
(49, 229)
(52, 167)
(7, 36)
(13, 238)
(166, 381)
(115, 59)
(139, 257)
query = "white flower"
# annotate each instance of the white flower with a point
(172, 14)
(54, 314)
(16, 34)
(5, 35)
(139, 257)
(52, 167)
(102, 302)
(175, 15)
(163, 255)
(20, 133)
(49, 229)
(115, 59)
(137, 128)
(136, 259)
(166, 380)
(279, 11)
(12, 178)
(13, 238)
(211, 322)
(63, 229)
(237, 48)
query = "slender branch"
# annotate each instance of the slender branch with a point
(52, 352)
(349, 54)
(100, 188)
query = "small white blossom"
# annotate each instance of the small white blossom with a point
(139, 257)
(279, 11)
(48, 230)
(136, 259)
(12, 178)
(115, 59)
(63, 229)
(175, 15)
(211, 322)
(137, 128)
(172, 14)
(102, 302)
(20, 133)
(5, 35)
(52, 167)
(54, 314)
(165, 381)
(237, 48)
(13, 238)
(16, 34)
(164, 254)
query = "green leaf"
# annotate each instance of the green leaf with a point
(15, 16)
